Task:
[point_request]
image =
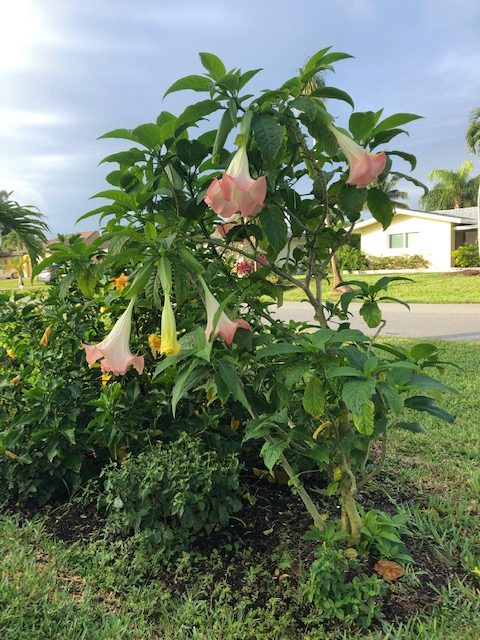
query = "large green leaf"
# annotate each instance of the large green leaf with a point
(268, 135)
(361, 123)
(275, 228)
(195, 112)
(149, 134)
(370, 312)
(127, 158)
(356, 392)
(363, 420)
(191, 152)
(333, 92)
(428, 405)
(272, 451)
(314, 397)
(194, 82)
(228, 377)
(279, 348)
(395, 121)
(380, 206)
(351, 201)
(213, 65)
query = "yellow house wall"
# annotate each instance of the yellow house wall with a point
(434, 242)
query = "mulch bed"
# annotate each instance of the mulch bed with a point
(276, 521)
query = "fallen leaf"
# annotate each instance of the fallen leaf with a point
(389, 570)
(268, 532)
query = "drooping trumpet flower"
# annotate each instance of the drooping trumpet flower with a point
(365, 167)
(224, 327)
(114, 351)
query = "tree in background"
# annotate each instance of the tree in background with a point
(454, 189)
(26, 222)
(389, 187)
(472, 136)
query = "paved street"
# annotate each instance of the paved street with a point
(442, 321)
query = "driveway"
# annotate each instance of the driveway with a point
(441, 321)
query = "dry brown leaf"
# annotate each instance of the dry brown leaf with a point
(389, 570)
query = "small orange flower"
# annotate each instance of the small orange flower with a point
(10, 353)
(15, 380)
(120, 282)
(155, 344)
(46, 335)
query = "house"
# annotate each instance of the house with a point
(432, 235)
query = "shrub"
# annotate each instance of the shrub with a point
(467, 256)
(397, 262)
(328, 588)
(351, 258)
(382, 532)
(170, 493)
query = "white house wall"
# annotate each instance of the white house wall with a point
(434, 242)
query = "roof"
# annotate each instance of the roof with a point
(466, 215)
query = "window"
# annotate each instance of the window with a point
(402, 240)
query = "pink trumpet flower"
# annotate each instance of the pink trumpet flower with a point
(115, 348)
(237, 191)
(365, 167)
(224, 327)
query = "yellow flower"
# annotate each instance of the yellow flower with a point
(46, 335)
(337, 474)
(106, 377)
(10, 353)
(476, 570)
(120, 282)
(170, 345)
(103, 309)
(15, 380)
(155, 344)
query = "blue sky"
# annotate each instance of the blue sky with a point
(70, 71)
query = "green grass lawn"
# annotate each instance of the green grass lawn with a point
(52, 590)
(426, 287)
(9, 285)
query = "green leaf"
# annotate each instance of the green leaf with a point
(391, 396)
(423, 351)
(415, 427)
(226, 125)
(425, 383)
(126, 158)
(364, 420)
(125, 134)
(371, 313)
(428, 405)
(271, 452)
(141, 279)
(268, 135)
(314, 397)
(194, 82)
(351, 201)
(333, 92)
(395, 121)
(195, 112)
(191, 152)
(408, 157)
(280, 348)
(356, 393)
(149, 134)
(262, 426)
(183, 383)
(361, 124)
(276, 230)
(228, 376)
(247, 76)
(380, 206)
(126, 199)
(213, 65)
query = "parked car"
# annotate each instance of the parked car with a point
(47, 275)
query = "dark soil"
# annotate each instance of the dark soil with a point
(253, 543)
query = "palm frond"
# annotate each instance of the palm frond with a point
(27, 222)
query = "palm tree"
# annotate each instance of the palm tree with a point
(454, 189)
(473, 144)
(27, 222)
(389, 187)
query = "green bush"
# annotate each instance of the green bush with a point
(382, 532)
(467, 256)
(171, 493)
(397, 262)
(351, 258)
(328, 588)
